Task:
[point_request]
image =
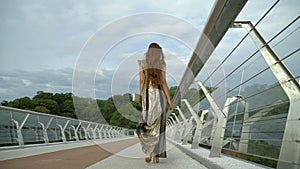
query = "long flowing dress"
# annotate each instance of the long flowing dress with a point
(153, 113)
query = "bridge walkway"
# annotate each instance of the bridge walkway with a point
(116, 153)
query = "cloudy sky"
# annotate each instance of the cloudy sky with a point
(91, 47)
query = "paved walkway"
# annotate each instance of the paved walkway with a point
(133, 158)
(75, 158)
(118, 154)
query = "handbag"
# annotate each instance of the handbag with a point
(141, 128)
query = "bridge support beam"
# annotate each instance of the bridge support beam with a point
(176, 125)
(217, 143)
(197, 135)
(222, 16)
(185, 127)
(289, 153)
(169, 129)
(173, 128)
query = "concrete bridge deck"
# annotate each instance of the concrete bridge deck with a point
(115, 153)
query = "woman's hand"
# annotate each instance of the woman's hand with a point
(170, 104)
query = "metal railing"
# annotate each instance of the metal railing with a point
(256, 115)
(21, 127)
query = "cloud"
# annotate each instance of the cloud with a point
(46, 32)
(26, 83)
(41, 40)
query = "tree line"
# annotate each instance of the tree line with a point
(125, 114)
(117, 110)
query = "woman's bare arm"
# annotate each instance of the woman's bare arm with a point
(142, 79)
(166, 89)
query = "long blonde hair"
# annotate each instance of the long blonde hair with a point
(155, 65)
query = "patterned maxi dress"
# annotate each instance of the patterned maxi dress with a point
(154, 114)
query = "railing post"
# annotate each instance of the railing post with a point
(206, 133)
(197, 135)
(45, 137)
(172, 121)
(289, 153)
(76, 131)
(109, 132)
(243, 146)
(113, 132)
(203, 113)
(189, 135)
(94, 131)
(185, 129)
(105, 131)
(217, 143)
(175, 127)
(45, 128)
(169, 129)
(118, 132)
(168, 123)
(176, 118)
(86, 132)
(177, 136)
(62, 129)
(125, 132)
(69, 133)
(108, 128)
(19, 129)
(101, 131)
(226, 109)
(181, 114)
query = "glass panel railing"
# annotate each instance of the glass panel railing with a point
(19, 127)
(261, 106)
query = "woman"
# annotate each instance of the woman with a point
(155, 93)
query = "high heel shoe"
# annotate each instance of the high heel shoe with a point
(148, 158)
(156, 159)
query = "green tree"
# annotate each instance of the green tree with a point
(41, 109)
(60, 98)
(67, 109)
(107, 108)
(4, 103)
(124, 114)
(51, 105)
(86, 109)
(118, 120)
(22, 103)
(43, 95)
(172, 91)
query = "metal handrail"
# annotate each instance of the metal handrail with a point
(93, 130)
